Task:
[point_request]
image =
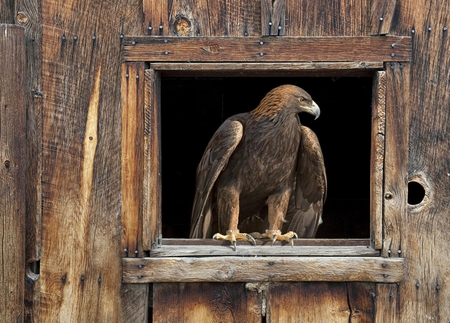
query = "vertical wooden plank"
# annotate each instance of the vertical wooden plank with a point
(273, 17)
(133, 83)
(361, 302)
(12, 172)
(235, 17)
(29, 16)
(396, 157)
(135, 303)
(81, 178)
(307, 302)
(377, 158)
(326, 18)
(189, 18)
(381, 15)
(205, 302)
(425, 293)
(152, 160)
(387, 299)
(7, 11)
(156, 16)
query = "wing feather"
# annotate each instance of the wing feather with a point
(215, 158)
(306, 205)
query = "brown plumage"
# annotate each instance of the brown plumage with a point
(262, 171)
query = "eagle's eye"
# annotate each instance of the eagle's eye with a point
(302, 99)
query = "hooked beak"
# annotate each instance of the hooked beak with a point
(314, 110)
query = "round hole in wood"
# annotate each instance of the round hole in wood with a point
(416, 193)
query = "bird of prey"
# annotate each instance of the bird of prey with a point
(262, 171)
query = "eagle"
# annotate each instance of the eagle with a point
(262, 173)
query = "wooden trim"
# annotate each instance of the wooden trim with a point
(132, 158)
(267, 49)
(262, 269)
(152, 160)
(263, 250)
(377, 158)
(261, 242)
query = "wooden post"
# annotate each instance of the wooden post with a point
(12, 172)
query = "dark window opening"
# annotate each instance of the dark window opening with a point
(193, 108)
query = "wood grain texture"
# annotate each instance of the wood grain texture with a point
(361, 302)
(134, 303)
(133, 84)
(12, 172)
(326, 18)
(307, 302)
(156, 17)
(152, 217)
(267, 49)
(29, 16)
(377, 158)
(273, 17)
(424, 295)
(81, 178)
(396, 157)
(205, 302)
(260, 250)
(381, 14)
(387, 303)
(262, 269)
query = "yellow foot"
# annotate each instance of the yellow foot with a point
(276, 235)
(233, 235)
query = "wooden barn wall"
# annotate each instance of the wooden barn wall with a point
(74, 122)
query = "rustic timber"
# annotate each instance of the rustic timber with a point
(273, 17)
(396, 157)
(260, 242)
(381, 15)
(268, 250)
(267, 49)
(262, 269)
(80, 270)
(132, 158)
(12, 172)
(206, 302)
(152, 160)
(377, 158)
(327, 18)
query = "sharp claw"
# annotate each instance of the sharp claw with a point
(292, 239)
(234, 245)
(214, 236)
(249, 237)
(274, 238)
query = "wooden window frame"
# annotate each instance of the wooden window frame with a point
(148, 258)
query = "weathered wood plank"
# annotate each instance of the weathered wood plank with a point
(134, 303)
(387, 304)
(361, 302)
(132, 158)
(377, 158)
(326, 18)
(12, 172)
(205, 302)
(307, 302)
(234, 18)
(152, 160)
(81, 179)
(260, 242)
(273, 17)
(381, 15)
(28, 16)
(189, 18)
(156, 17)
(267, 49)
(32, 296)
(268, 250)
(424, 295)
(396, 157)
(261, 269)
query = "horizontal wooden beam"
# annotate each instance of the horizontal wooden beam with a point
(196, 251)
(262, 269)
(267, 49)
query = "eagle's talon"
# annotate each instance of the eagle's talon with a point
(232, 236)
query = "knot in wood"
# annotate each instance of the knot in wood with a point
(182, 26)
(225, 273)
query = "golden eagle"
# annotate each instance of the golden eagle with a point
(262, 171)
